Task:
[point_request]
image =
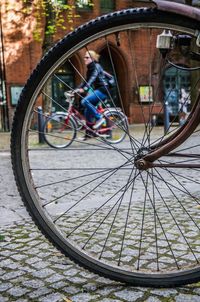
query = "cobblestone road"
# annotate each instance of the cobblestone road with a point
(32, 270)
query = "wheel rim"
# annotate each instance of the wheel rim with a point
(135, 235)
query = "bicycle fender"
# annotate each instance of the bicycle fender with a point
(178, 8)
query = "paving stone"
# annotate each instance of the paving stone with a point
(34, 234)
(35, 283)
(89, 287)
(187, 298)
(6, 239)
(197, 291)
(71, 290)
(12, 265)
(58, 285)
(62, 266)
(31, 260)
(13, 246)
(111, 300)
(153, 299)
(6, 262)
(18, 256)
(39, 264)
(17, 291)
(7, 253)
(104, 281)
(5, 286)
(54, 278)
(43, 255)
(71, 272)
(52, 298)
(85, 298)
(3, 299)
(44, 245)
(39, 292)
(87, 274)
(33, 244)
(2, 271)
(164, 292)
(129, 295)
(26, 269)
(19, 280)
(107, 290)
(77, 280)
(43, 273)
(58, 259)
(12, 275)
(23, 240)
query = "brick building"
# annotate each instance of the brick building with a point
(21, 53)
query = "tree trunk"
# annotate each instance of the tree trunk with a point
(50, 21)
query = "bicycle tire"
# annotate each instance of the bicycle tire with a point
(129, 272)
(54, 136)
(120, 126)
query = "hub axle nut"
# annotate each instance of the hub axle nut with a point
(141, 164)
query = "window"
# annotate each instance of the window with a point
(57, 2)
(107, 5)
(15, 92)
(84, 4)
(174, 81)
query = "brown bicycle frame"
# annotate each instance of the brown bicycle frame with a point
(175, 140)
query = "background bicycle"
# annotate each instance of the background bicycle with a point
(128, 211)
(62, 128)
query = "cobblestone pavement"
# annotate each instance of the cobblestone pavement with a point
(32, 270)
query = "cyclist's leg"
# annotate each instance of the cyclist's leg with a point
(90, 102)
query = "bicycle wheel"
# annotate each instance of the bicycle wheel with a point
(93, 201)
(58, 133)
(118, 126)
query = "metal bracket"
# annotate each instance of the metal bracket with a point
(144, 1)
(198, 39)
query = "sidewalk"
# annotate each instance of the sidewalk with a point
(4, 141)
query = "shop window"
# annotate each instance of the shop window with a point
(84, 5)
(107, 5)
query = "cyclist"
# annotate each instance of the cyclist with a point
(96, 87)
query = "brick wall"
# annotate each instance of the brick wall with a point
(23, 54)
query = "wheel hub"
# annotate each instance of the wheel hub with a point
(140, 162)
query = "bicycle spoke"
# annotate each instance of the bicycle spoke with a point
(105, 203)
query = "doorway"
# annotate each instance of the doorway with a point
(119, 96)
(65, 75)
